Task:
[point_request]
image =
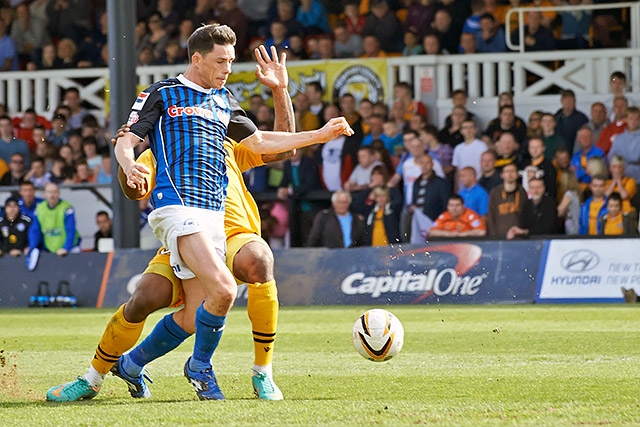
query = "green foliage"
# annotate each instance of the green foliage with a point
(460, 365)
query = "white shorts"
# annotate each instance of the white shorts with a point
(170, 222)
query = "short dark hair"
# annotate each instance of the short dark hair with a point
(102, 213)
(203, 39)
(509, 106)
(456, 197)
(618, 75)
(72, 89)
(615, 196)
(488, 16)
(316, 85)
(567, 92)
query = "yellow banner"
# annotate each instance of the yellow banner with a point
(364, 79)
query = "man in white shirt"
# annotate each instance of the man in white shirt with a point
(361, 175)
(469, 152)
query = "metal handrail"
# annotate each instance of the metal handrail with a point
(634, 19)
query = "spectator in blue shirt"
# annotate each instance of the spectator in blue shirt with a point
(588, 149)
(474, 196)
(8, 52)
(491, 37)
(313, 17)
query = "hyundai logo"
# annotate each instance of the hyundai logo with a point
(579, 261)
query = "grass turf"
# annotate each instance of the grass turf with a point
(460, 365)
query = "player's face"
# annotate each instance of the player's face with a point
(214, 67)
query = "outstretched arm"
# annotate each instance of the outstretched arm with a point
(278, 142)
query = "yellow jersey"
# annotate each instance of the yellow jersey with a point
(241, 213)
(240, 210)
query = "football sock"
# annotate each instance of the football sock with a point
(166, 336)
(94, 377)
(209, 328)
(118, 337)
(262, 307)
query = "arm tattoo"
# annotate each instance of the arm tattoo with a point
(284, 117)
(267, 158)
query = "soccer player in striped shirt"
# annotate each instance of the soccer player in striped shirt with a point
(186, 120)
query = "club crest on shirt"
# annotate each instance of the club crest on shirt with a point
(133, 118)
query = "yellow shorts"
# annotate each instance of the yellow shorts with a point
(160, 264)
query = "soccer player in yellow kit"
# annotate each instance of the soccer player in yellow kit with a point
(248, 257)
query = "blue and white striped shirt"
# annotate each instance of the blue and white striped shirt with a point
(186, 125)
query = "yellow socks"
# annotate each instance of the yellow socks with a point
(118, 337)
(262, 307)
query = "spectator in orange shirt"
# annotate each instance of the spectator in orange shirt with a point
(620, 183)
(458, 221)
(403, 93)
(616, 222)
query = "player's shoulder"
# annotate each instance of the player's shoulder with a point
(162, 84)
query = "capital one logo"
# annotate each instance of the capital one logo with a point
(579, 261)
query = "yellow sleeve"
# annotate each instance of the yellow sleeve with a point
(245, 158)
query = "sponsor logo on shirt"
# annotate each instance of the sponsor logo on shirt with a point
(142, 98)
(175, 111)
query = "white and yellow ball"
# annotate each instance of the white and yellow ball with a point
(378, 335)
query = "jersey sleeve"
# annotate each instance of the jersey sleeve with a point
(240, 126)
(145, 111)
(245, 158)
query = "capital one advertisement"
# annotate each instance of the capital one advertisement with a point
(589, 270)
(464, 272)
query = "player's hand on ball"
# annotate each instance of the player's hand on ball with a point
(136, 175)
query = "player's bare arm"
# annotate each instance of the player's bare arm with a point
(125, 156)
(271, 71)
(277, 142)
(268, 158)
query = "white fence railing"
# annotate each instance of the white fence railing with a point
(528, 75)
(634, 19)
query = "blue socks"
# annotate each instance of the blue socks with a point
(209, 329)
(166, 336)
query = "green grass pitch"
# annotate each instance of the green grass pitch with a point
(460, 365)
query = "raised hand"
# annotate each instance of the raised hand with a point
(271, 71)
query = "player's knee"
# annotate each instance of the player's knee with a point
(153, 293)
(254, 263)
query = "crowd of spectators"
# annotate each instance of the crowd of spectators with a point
(559, 172)
(506, 175)
(59, 34)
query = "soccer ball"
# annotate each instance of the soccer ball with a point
(378, 335)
